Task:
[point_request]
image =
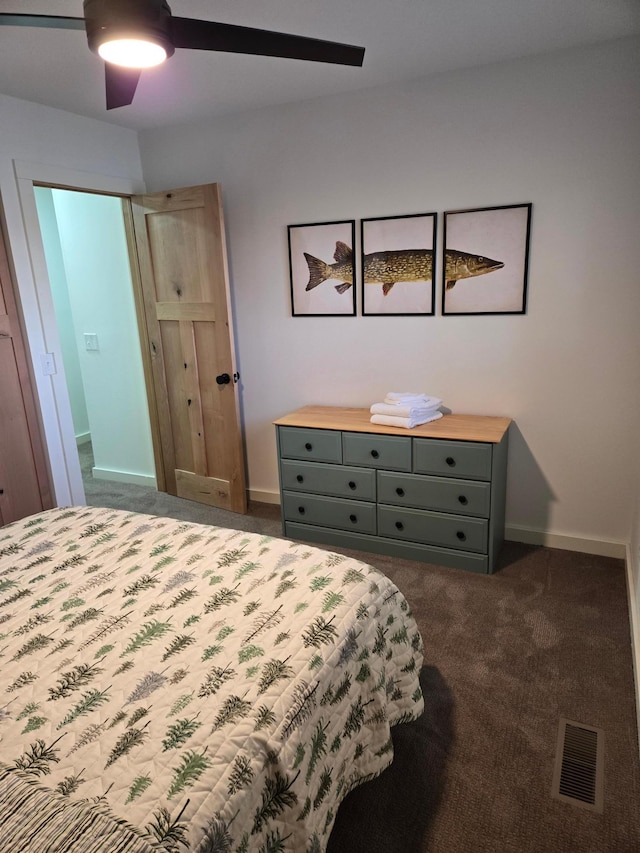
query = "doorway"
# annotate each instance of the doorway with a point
(85, 249)
(195, 372)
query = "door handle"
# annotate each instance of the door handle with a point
(223, 379)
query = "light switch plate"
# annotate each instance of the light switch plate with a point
(48, 364)
(91, 342)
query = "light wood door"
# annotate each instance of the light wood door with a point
(24, 476)
(181, 247)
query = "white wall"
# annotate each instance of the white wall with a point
(561, 131)
(58, 148)
(90, 236)
(62, 307)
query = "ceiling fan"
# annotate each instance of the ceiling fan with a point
(134, 34)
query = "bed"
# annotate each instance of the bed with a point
(180, 687)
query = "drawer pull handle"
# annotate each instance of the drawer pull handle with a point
(375, 454)
(399, 525)
(463, 500)
(451, 462)
(352, 485)
(461, 535)
(300, 478)
(400, 492)
(308, 446)
(353, 518)
(301, 510)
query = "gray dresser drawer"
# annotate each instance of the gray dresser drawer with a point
(433, 528)
(339, 480)
(330, 512)
(377, 451)
(320, 445)
(439, 493)
(464, 459)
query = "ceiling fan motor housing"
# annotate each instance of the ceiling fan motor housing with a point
(120, 19)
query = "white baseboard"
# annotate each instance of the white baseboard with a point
(634, 620)
(83, 438)
(264, 497)
(600, 547)
(124, 477)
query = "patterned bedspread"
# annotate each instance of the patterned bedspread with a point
(179, 687)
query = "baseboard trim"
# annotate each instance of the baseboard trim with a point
(600, 547)
(124, 477)
(634, 621)
(83, 438)
(264, 497)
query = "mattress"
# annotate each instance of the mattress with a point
(180, 687)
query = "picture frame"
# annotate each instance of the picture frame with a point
(486, 260)
(397, 264)
(322, 268)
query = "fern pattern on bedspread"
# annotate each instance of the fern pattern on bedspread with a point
(208, 689)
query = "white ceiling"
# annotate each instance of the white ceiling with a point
(404, 39)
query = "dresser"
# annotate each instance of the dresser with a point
(435, 493)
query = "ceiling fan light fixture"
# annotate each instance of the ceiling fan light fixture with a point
(130, 33)
(132, 52)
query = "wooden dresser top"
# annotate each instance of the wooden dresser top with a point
(456, 427)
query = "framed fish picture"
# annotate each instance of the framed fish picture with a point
(398, 255)
(322, 269)
(486, 260)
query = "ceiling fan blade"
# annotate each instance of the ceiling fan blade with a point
(209, 35)
(56, 22)
(121, 84)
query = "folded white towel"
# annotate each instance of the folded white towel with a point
(406, 398)
(413, 411)
(401, 395)
(407, 423)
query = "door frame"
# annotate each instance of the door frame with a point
(36, 301)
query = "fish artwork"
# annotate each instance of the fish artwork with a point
(389, 268)
(463, 265)
(342, 270)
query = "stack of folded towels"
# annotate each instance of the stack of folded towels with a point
(406, 409)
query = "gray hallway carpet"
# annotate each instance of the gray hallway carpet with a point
(506, 655)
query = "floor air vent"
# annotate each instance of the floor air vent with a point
(578, 774)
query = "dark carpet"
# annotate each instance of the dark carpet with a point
(506, 655)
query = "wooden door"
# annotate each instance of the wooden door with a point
(24, 476)
(181, 247)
